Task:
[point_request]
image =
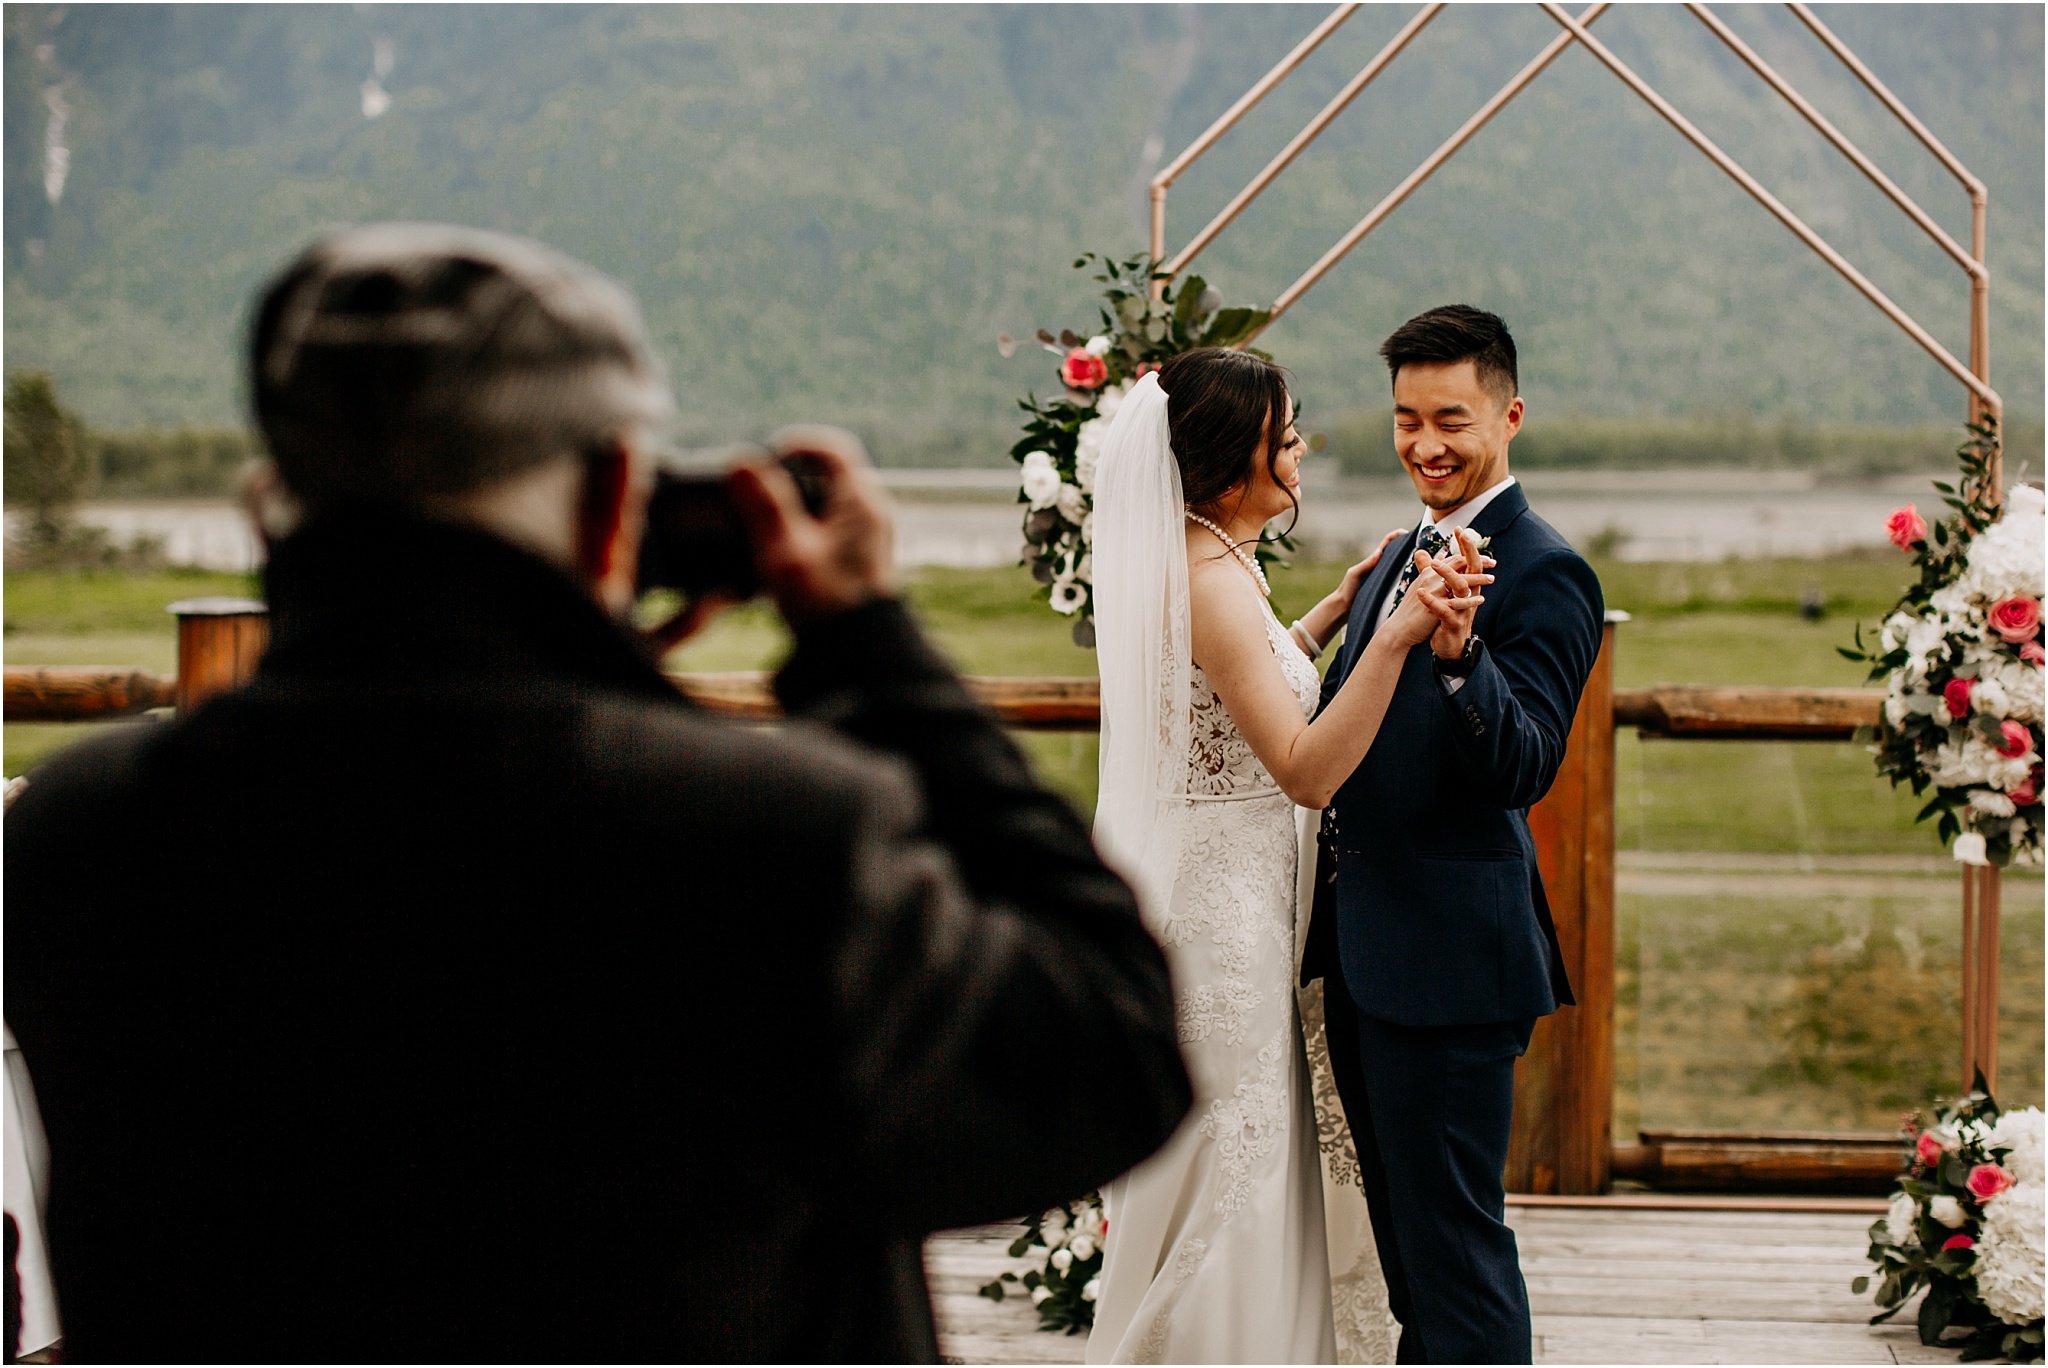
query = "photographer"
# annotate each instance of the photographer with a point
(456, 991)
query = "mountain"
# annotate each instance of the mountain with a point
(832, 211)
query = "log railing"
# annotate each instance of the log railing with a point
(1564, 1104)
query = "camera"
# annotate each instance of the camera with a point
(696, 541)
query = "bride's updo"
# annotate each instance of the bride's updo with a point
(1223, 408)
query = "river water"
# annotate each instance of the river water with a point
(968, 518)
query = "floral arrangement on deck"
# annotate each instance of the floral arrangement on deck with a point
(1961, 658)
(1063, 435)
(1065, 1245)
(1966, 1225)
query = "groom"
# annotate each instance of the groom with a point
(1443, 953)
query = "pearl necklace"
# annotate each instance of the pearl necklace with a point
(1249, 562)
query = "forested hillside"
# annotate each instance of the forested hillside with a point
(833, 211)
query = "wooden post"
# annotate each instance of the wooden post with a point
(1563, 1140)
(1982, 887)
(219, 643)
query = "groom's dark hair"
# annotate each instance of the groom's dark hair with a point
(1453, 333)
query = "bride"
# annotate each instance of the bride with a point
(1219, 1247)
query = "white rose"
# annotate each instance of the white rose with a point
(1084, 1247)
(1073, 504)
(2023, 686)
(1923, 637)
(2008, 1268)
(1991, 804)
(1088, 451)
(1091, 1289)
(2021, 1133)
(1055, 1223)
(1090, 1222)
(1969, 849)
(1893, 634)
(1041, 479)
(1098, 345)
(1989, 697)
(1946, 1210)
(1063, 1259)
(1898, 1220)
(1039, 1294)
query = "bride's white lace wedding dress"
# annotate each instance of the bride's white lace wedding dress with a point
(1244, 1240)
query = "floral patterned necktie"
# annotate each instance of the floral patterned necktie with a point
(1432, 542)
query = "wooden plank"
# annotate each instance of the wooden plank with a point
(1654, 1201)
(1564, 1083)
(82, 693)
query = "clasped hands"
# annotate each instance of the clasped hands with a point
(1440, 605)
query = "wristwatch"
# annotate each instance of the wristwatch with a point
(1462, 666)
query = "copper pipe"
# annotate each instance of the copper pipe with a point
(1229, 117)
(1778, 210)
(1891, 101)
(1973, 264)
(1302, 139)
(1419, 175)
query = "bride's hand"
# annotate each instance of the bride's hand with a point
(1354, 579)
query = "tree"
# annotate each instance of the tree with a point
(45, 455)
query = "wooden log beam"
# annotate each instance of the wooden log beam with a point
(1748, 714)
(1050, 703)
(74, 693)
(1805, 1161)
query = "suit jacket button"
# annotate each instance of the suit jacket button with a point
(1471, 714)
(1479, 729)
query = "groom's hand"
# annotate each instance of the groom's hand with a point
(840, 559)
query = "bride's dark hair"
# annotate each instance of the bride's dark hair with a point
(1222, 409)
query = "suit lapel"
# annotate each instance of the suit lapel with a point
(1506, 509)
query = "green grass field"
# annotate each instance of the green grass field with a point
(1797, 978)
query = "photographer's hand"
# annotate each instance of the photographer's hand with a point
(838, 560)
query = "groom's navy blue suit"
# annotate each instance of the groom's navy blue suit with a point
(1443, 945)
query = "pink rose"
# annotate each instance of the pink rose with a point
(2031, 652)
(1145, 368)
(2016, 619)
(1083, 370)
(1928, 1148)
(1987, 1181)
(1958, 1242)
(1905, 526)
(1956, 693)
(2029, 793)
(2014, 740)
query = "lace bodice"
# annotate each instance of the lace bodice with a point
(1219, 760)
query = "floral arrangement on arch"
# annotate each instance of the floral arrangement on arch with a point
(1063, 434)
(1961, 658)
(1966, 1224)
(1065, 1245)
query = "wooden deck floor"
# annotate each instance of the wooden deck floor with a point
(1607, 1284)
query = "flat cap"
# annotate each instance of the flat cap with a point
(403, 359)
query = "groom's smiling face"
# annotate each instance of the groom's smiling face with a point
(1451, 431)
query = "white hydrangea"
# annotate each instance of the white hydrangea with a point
(2021, 1132)
(1088, 451)
(2021, 684)
(1041, 479)
(1109, 401)
(1974, 763)
(1988, 696)
(2009, 1253)
(1898, 1220)
(2006, 558)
